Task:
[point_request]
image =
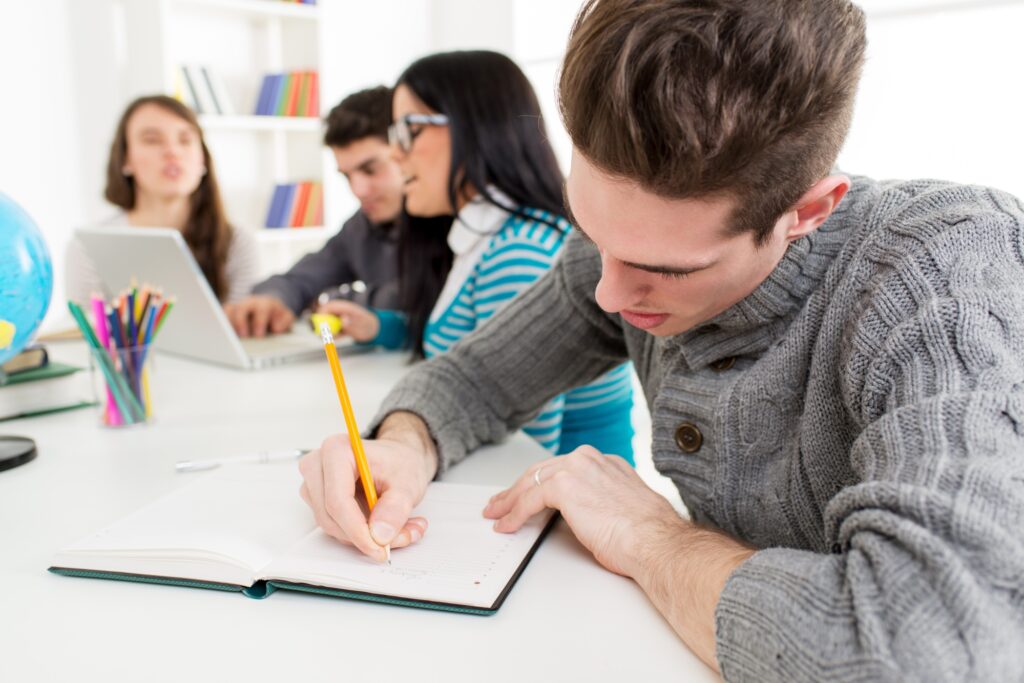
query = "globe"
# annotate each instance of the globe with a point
(26, 278)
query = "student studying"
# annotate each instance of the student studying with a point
(484, 195)
(770, 220)
(832, 362)
(161, 174)
(243, 530)
(365, 250)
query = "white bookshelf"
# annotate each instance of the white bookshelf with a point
(242, 41)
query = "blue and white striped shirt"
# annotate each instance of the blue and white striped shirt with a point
(498, 255)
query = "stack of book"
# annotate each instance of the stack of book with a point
(296, 205)
(289, 94)
(202, 90)
(35, 385)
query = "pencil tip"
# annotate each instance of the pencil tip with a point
(387, 552)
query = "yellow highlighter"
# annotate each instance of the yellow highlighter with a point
(334, 323)
(350, 423)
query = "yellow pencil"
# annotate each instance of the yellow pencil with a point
(350, 422)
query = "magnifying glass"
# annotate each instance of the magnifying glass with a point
(16, 450)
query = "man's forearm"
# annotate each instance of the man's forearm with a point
(411, 430)
(683, 568)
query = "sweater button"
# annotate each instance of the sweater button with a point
(724, 364)
(688, 437)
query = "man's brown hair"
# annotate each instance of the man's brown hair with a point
(363, 114)
(749, 99)
(207, 231)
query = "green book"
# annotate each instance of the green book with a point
(302, 108)
(286, 93)
(54, 387)
(243, 528)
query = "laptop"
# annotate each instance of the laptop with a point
(197, 327)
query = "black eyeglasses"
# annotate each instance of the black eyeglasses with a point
(400, 132)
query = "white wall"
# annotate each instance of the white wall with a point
(941, 94)
(39, 132)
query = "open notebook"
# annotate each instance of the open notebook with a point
(246, 529)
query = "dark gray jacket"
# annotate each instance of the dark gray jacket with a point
(360, 251)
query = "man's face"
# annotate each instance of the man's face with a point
(667, 265)
(373, 176)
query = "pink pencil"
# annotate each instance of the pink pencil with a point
(99, 311)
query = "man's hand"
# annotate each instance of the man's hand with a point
(357, 322)
(258, 315)
(403, 461)
(603, 500)
(632, 531)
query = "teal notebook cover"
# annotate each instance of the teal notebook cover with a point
(263, 589)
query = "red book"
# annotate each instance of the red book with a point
(313, 204)
(314, 93)
(299, 210)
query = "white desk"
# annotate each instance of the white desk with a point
(567, 619)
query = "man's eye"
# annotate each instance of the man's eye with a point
(673, 276)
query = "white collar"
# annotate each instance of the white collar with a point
(477, 220)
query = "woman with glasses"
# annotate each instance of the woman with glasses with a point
(483, 192)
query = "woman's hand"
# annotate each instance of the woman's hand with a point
(357, 322)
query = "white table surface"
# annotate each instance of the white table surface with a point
(566, 619)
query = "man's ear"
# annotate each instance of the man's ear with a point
(816, 205)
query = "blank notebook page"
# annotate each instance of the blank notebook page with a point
(460, 559)
(240, 516)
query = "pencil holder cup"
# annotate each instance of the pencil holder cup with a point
(121, 381)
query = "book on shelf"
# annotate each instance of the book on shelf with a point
(218, 91)
(51, 388)
(313, 105)
(202, 90)
(184, 90)
(292, 105)
(299, 211)
(289, 94)
(315, 206)
(245, 529)
(296, 205)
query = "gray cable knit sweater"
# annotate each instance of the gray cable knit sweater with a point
(868, 437)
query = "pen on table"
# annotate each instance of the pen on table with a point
(258, 458)
(350, 423)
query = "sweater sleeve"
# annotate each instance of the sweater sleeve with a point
(925, 581)
(494, 380)
(318, 270)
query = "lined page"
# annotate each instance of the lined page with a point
(222, 527)
(460, 560)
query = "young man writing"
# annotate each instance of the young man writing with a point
(366, 247)
(832, 363)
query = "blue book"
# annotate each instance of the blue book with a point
(264, 96)
(276, 92)
(274, 212)
(288, 205)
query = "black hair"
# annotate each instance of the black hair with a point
(424, 260)
(497, 140)
(363, 114)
